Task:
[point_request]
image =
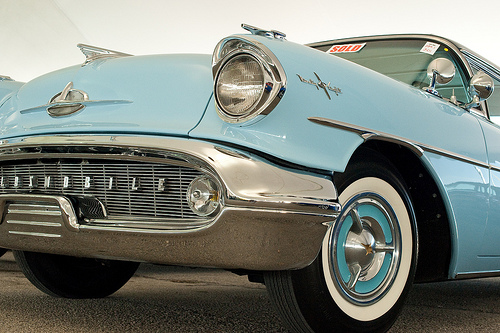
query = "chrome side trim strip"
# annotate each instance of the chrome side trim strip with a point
(367, 134)
(476, 275)
(416, 147)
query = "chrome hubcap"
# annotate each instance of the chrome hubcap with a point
(364, 249)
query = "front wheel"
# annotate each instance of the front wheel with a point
(72, 277)
(367, 263)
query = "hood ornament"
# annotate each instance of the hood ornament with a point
(320, 84)
(262, 32)
(67, 102)
(93, 53)
(70, 101)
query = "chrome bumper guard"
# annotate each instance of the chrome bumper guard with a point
(270, 218)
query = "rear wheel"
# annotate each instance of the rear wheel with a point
(72, 277)
(364, 272)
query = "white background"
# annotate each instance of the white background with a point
(38, 36)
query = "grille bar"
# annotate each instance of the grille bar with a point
(36, 234)
(35, 223)
(34, 209)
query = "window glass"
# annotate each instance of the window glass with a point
(494, 103)
(406, 61)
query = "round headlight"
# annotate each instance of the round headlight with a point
(249, 81)
(240, 85)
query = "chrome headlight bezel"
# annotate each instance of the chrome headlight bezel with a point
(274, 85)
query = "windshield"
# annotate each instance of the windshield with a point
(405, 60)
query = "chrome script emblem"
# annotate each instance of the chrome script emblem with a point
(55, 182)
(320, 84)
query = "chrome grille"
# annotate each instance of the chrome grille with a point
(127, 189)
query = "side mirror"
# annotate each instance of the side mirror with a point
(440, 70)
(481, 87)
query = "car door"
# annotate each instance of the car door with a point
(490, 251)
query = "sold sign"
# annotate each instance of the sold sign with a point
(347, 48)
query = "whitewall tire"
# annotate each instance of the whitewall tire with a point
(367, 262)
(384, 239)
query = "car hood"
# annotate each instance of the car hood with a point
(160, 94)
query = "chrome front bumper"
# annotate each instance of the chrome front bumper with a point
(270, 218)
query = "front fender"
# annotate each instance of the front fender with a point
(366, 100)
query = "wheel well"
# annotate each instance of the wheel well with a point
(433, 226)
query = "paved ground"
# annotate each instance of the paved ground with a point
(163, 299)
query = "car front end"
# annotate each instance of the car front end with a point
(98, 161)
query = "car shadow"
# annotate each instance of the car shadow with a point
(179, 299)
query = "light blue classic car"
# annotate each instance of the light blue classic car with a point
(337, 173)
